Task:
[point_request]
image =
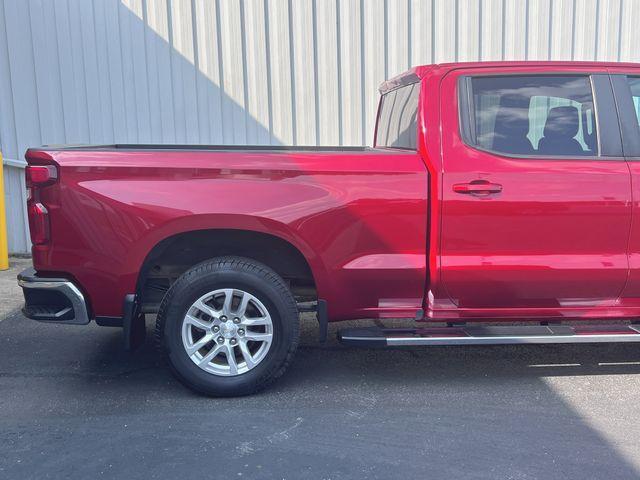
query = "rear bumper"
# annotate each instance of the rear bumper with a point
(55, 300)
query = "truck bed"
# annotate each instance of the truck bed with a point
(357, 216)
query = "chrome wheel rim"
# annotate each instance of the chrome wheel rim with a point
(227, 332)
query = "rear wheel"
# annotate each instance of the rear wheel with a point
(229, 326)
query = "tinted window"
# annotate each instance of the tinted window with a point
(533, 115)
(397, 126)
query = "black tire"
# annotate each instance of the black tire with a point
(229, 272)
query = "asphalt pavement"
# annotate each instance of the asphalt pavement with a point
(10, 292)
(74, 405)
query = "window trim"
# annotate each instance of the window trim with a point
(415, 80)
(628, 120)
(607, 130)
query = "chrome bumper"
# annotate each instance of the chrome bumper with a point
(53, 300)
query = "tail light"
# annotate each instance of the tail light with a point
(38, 176)
(41, 175)
(38, 223)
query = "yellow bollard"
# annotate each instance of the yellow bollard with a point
(4, 251)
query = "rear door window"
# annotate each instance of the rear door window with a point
(538, 115)
(397, 119)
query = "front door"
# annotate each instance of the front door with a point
(626, 85)
(536, 200)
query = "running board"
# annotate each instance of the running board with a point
(488, 335)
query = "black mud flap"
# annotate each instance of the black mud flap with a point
(323, 321)
(133, 325)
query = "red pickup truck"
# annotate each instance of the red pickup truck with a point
(495, 192)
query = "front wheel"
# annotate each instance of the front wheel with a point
(229, 326)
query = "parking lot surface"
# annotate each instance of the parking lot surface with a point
(10, 292)
(75, 405)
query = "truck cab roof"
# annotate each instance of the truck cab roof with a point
(416, 73)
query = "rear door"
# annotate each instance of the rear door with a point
(536, 199)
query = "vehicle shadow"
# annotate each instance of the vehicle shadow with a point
(426, 364)
(330, 361)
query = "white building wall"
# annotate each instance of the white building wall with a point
(255, 71)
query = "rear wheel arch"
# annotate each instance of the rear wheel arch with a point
(295, 262)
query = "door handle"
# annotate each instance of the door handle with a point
(477, 187)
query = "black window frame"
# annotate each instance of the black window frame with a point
(415, 83)
(628, 120)
(606, 115)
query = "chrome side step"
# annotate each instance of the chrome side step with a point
(488, 335)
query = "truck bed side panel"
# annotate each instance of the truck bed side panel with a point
(359, 218)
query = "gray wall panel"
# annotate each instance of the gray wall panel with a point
(255, 71)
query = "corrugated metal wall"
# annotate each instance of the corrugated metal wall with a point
(255, 71)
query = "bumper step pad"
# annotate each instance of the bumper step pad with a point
(48, 313)
(489, 335)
